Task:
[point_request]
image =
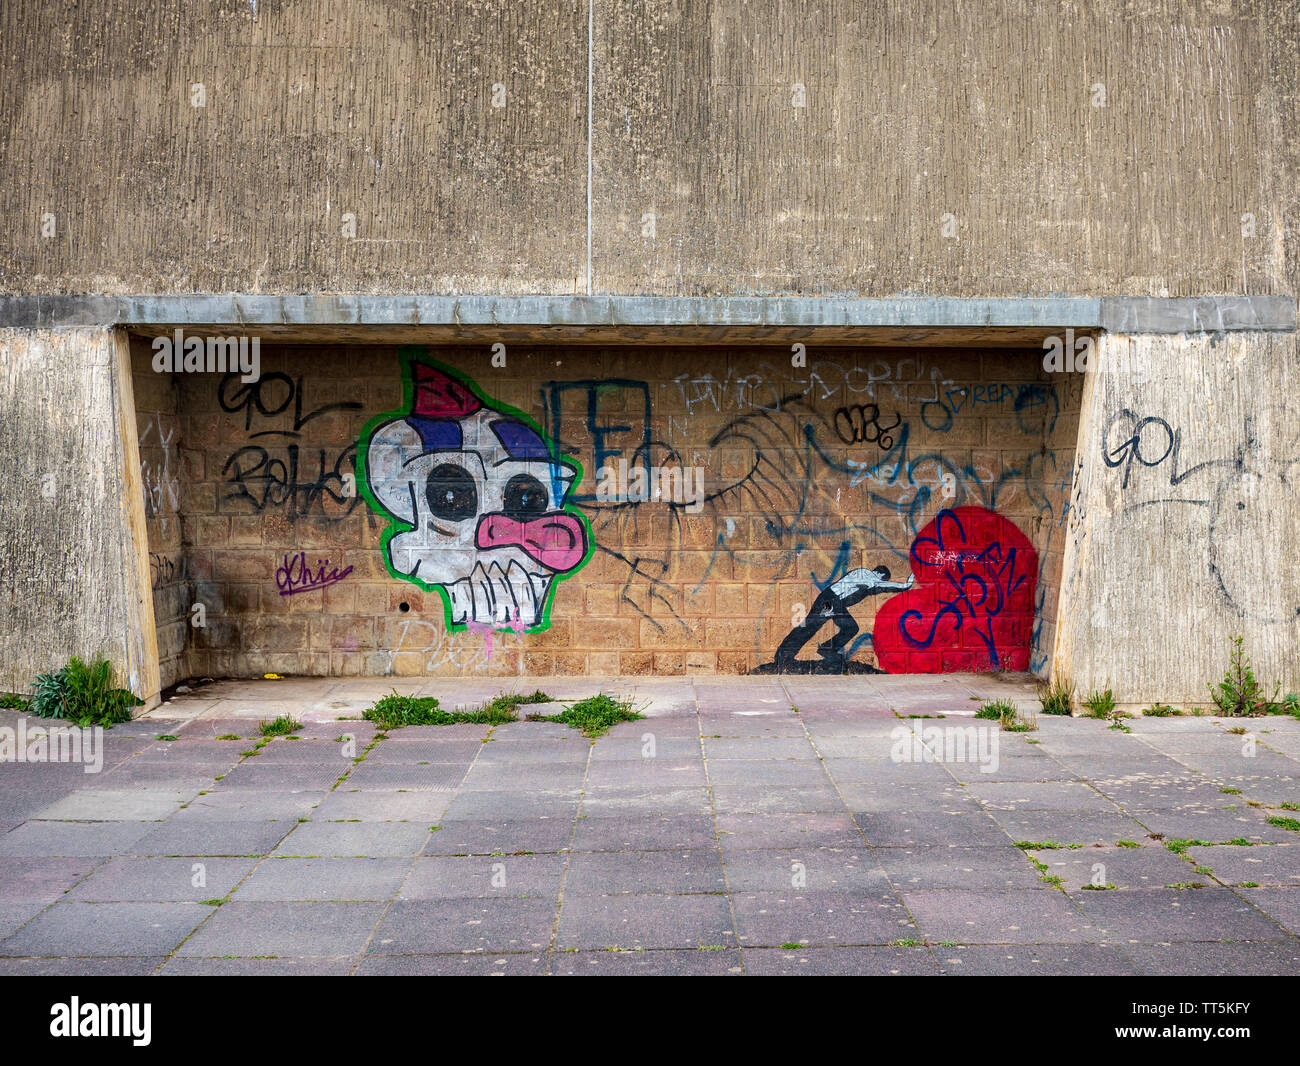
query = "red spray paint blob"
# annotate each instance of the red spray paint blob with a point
(972, 607)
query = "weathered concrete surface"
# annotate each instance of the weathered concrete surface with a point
(75, 578)
(959, 151)
(724, 833)
(1183, 518)
(924, 320)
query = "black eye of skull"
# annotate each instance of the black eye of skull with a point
(525, 497)
(452, 493)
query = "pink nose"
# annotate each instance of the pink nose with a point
(557, 540)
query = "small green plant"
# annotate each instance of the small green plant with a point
(1127, 844)
(1057, 698)
(1186, 884)
(594, 715)
(508, 703)
(83, 693)
(394, 711)
(1090, 887)
(228, 736)
(12, 701)
(1285, 823)
(1007, 715)
(1162, 710)
(279, 727)
(1100, 704)
(1239, 693)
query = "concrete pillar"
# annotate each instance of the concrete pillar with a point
(74, 563)
(1183, 518)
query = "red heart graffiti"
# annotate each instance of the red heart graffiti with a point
(972, 607)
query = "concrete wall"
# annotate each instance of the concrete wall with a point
(1183, 518)
(808, 473)
(75, 564)
(949, 149)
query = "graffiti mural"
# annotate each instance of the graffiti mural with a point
(967, 605)
(832, 605)
(972, 607)
(478, 498)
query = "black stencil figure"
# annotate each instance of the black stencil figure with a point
(832, 605)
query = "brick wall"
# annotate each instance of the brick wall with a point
(812, 477)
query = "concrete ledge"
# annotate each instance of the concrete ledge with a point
(244, 311)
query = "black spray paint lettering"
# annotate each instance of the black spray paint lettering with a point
(860, 424)
(270, 396)
(264, 480)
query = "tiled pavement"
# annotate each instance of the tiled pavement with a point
(748, 825)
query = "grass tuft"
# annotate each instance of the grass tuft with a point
(595, 715)
(279, 727)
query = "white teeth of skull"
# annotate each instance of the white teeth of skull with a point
(510, 596)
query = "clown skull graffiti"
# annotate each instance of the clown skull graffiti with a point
(479, 497)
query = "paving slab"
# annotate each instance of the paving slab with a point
(811, 919)
(347, 805)
(1263, 864)
(1280, 958)
(181, 966)
(709, 961)
(190, 837)
(805, 868)
(41, 878)
(235, 805)
(289, 929)
(1213, 824)
(88, 839)
(1280, 904)
(1048, 960)
(841, 962)
(991, 867)
(360, 839)
(675, 832)
(106, 929)
(188, 880)
(645, 921)
(324, 879)
(1149, 915)
(1150, 865)
(103, 805)
(499, 836)
(120, 966)
(424, 927)
(505, 876)
(747, 832)
(1011, 916)
(1070, 827)
(892, 829)
(596, 873)
(476, 965)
